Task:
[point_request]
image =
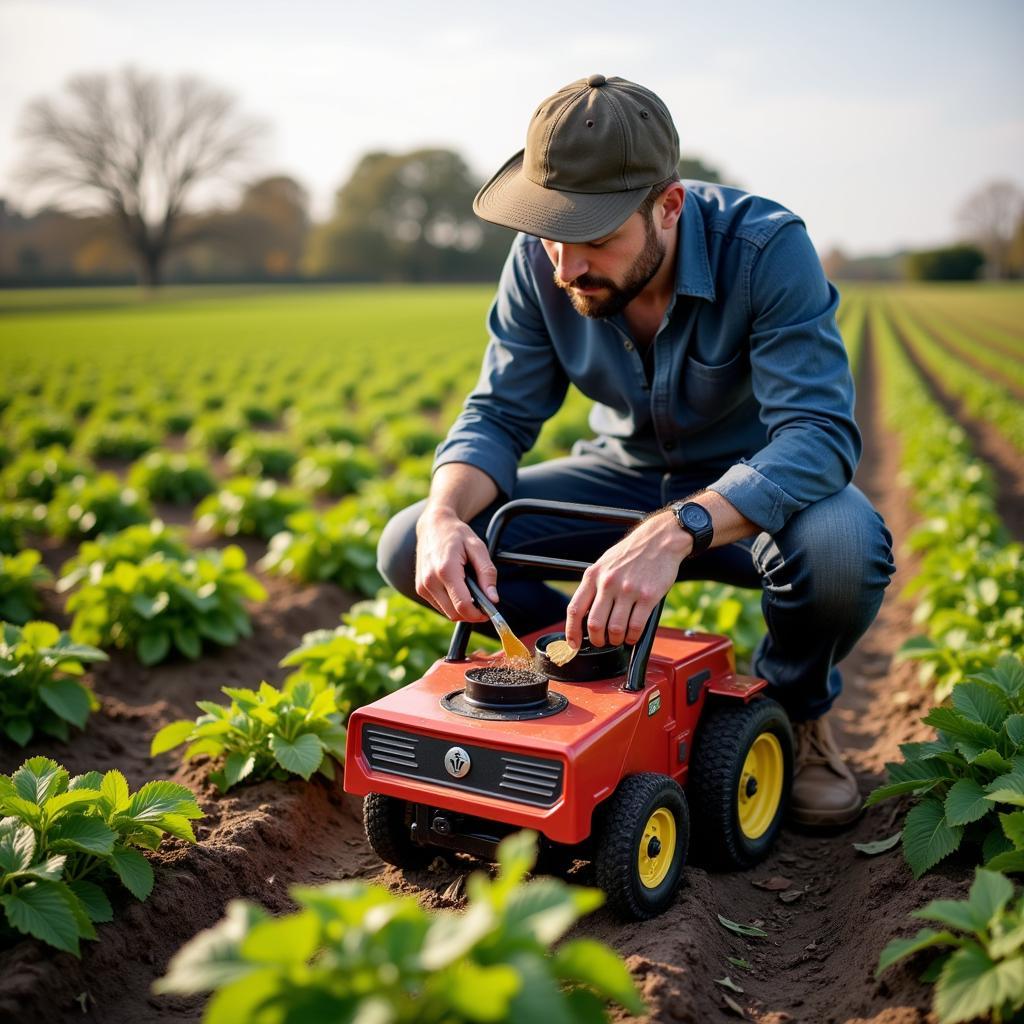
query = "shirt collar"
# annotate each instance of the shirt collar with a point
(693, 270)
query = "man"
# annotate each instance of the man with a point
(699, 320)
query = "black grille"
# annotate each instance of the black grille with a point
(519, 777)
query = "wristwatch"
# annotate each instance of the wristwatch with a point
(696, 521)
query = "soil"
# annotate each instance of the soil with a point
(828, 910)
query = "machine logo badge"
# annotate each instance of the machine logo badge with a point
(457, 762)
(653, 703)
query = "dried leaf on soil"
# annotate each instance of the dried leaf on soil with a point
(734, 1006)
(878, 845)
(743, 929)
(727, 982)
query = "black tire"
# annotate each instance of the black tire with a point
(619, 838)
(725, 736)
(386, 820)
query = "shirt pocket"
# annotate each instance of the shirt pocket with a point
(713, 391)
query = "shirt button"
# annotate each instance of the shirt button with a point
(628, 346)
(668, 445)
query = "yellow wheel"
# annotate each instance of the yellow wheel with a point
(657, 848)
(760, 788)
(640, 839)
(738, 781)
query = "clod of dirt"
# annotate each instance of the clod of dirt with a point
(774, 884)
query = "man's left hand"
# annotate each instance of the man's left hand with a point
(622, 587)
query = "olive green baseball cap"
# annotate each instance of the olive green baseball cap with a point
(593, 151)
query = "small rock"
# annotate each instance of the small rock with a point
(774, 884)
(791, 896)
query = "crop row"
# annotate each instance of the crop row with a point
(967, 783)
(982, 397)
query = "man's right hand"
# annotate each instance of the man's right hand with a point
(444, 546)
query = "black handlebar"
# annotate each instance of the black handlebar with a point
(566, 510)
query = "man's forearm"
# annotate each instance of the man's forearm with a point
(461, 490)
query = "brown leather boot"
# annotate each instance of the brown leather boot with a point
(825, 792)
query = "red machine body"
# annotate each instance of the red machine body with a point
(547, 773)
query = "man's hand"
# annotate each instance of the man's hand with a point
(444, 545)
(622, 587)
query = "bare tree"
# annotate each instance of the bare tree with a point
(989, 218)
(135, 147)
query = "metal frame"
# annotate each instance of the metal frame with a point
(566, 510)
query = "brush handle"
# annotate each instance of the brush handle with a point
(486, 605)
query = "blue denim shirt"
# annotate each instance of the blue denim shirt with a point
(750, 390)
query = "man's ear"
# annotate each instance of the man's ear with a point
(670, 204)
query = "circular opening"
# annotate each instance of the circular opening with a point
(590, 124)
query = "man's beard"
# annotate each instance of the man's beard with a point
(644, 267)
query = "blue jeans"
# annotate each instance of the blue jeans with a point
(821, 576)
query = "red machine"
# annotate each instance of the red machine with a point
(618, 757)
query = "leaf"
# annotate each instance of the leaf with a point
(17, 846)
(94, 899)
(44, 910)
(482, 993)
(965, 802)
(87, 833)
(1014, 726)
(67, 699)
(738, 961)
(303, 756)
(19, 730)
(990, 892)
(237, 767)
(878, 845)
(171, 736)
(178, 826)
(158, 798)
(291, 939)
(115, 790)
(977, 703)
(1007, 789)
(39, 778)
(592, 963)
(971, 984)
(927, 838)
(897, 949)
(743, 929)
(956, 726)
(135, 872)
(56, 806)
(1013, 828)
(153, 647)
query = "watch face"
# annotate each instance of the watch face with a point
(695, 517)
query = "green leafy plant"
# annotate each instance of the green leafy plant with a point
(41, 430)
(132, 544)
(335, 470)
(20, 575)
(117, 439)
(38, 686)
(244, 506)
(358, 952)
(215, 431)
(264, 733)
(339, 545)
(62, 839)
(162, 601)
(178, 477)
(38, 474)
(19, 519)
(86, 508)
(974, 766)
(982, 975)
(262, 454)
(381, 646)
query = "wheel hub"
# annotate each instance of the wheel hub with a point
(657, 848)
(760, 787)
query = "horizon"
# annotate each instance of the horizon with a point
(794, 105)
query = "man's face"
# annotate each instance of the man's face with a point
(602, 277)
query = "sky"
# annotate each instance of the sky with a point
(872, 120)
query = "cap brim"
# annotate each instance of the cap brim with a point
(513, 201)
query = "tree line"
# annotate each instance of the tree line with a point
(122, 158)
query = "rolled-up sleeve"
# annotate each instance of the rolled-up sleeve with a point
(521, 382)
(801, 378)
